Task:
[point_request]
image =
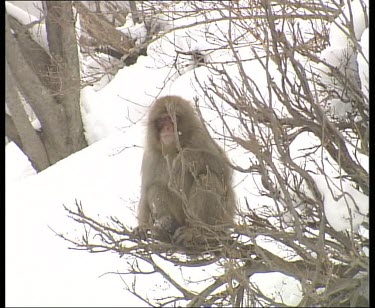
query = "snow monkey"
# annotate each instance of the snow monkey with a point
(186, 177)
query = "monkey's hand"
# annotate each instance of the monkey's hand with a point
(163, 228)
(183, 237)
(192, 237)
(141, 232)
(197, 238)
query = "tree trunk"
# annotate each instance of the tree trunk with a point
(134, 11)
(62, 42)
(50, 84)
(50, 114)
(28, 137)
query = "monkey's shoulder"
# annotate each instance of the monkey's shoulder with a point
(152, 159)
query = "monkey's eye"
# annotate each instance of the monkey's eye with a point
(162, 121)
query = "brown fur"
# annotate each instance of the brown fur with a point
(186, 184)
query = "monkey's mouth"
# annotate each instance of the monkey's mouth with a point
(167, 138)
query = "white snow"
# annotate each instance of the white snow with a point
(18, 166)
(363, 62)
(279, 287)
(38, 31)
(354, 12)
(344, 206)
(342, 52)
(137, 32)
(105, 176)
(41, 271)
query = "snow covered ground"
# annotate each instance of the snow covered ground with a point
(105, 177)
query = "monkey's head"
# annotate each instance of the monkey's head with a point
(172, 124)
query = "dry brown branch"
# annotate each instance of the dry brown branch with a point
(331, 266)
(116, 237)
(102, 31)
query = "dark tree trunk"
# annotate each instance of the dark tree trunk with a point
(62, 42)
(49, 83)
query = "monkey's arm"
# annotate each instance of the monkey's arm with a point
(144, 218)
(160, 209)
(144, 212)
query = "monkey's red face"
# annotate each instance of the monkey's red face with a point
(166, 130)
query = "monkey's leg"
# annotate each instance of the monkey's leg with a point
(166, 211)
